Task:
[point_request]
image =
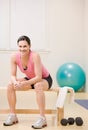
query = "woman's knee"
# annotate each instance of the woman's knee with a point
(10, 86)
(38, 87)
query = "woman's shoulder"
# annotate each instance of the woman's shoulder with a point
(14, 55)
(34, 53)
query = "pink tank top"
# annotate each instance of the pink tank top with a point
(30, 68)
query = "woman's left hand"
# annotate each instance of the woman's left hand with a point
(20, 85)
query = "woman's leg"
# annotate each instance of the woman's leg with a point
(11, 95)
(40, 96)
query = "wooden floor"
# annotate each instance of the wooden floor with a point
(71, 110)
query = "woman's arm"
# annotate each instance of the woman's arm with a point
(13, 68)
(37, 69)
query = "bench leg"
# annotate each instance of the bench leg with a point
(60, 115)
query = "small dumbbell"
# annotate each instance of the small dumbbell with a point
(64, 122)
(78, 121)
(69, 121)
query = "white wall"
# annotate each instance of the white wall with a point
(66, 37)
(65, 32)
(86, 40)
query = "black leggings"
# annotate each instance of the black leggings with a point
(49, 80)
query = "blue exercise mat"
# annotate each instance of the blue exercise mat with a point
(82, 102)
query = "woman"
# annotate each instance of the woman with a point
(36, 77)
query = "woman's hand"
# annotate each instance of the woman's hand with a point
(19, 85)
(16, 84)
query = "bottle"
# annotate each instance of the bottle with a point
(54, 117)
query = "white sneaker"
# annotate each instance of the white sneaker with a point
(12, 119)
(40, 123)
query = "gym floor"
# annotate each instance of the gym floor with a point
(71, 110)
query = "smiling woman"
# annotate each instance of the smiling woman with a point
(24, 45)
(36, 77)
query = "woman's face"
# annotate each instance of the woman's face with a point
(23, 47)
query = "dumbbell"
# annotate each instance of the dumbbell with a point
(69, 121)
(78, 121)
(64, 122)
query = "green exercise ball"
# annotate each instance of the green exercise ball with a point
(71, 75)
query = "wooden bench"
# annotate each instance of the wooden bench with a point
(24, 107)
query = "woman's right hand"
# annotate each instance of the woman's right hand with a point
(16, 84)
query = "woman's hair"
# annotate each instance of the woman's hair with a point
(24, 38)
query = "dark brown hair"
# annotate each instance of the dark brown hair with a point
(24, 38)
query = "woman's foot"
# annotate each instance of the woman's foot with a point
(40, 123)
(12, 119)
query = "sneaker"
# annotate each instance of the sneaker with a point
(40, 123)
(12, 119)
